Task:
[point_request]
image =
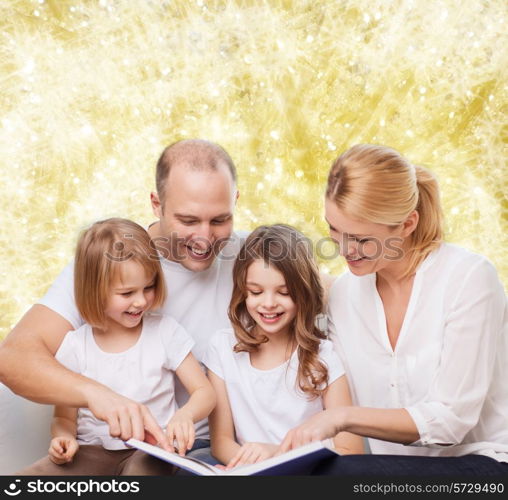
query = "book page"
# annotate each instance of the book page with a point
(188, 463)
(298, 461)
(303, 455)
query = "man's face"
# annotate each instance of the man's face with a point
(196, 218)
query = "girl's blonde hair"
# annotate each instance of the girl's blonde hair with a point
(99, 253)
(288, 251)
(377, 184)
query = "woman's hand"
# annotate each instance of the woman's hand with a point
(180, 429)
(62, 450)
(322, 425)
(251, 453)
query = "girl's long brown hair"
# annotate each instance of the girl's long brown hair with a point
(290, 252)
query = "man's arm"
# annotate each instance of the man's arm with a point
(28, 367)
(27, 363)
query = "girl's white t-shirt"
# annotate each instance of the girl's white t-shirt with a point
(144, 373)
(265, 404)
(449, 368)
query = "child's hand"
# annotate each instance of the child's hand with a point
(251, 453)
(62, 450)
(180, 432)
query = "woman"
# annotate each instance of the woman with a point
(419, 324)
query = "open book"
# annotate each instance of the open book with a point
(294, 462)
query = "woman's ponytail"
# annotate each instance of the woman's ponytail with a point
(429, 231)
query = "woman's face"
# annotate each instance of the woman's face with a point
(367, 247)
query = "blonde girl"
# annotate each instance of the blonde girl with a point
(128, 348)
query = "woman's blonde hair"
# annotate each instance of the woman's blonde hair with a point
(290, 252)
(377, 184)
(99, 253)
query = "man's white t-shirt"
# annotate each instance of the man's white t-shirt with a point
(197, 300)
(449, 368)
(144, 373)
(265, 404)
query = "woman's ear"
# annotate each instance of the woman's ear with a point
(409, 225)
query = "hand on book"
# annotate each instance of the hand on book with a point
(62, 450)
(251, 453)
(125, 417)
(180, 432)
(295, 462)
(322, 425)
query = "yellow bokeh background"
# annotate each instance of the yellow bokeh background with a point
(92, 91)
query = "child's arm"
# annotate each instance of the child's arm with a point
(63, 446)
(201, 402)
(222, 433)
(222, 428)
(336, 395)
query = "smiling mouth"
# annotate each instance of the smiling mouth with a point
(134, 315)
(271, 318)
(197, 253)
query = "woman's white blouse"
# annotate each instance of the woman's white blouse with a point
(449, 368)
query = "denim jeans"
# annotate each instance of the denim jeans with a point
(403, 465)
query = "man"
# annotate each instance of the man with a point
(194, 202)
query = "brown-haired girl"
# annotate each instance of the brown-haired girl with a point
(274, 368)
(118, 282)
(421, 326)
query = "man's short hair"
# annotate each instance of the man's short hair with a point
(196, 154)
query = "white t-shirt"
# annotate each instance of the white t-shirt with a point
(449, 369)
(265, 404)
(145, 372)
(197, 300)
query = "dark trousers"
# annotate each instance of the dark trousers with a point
(403, 465)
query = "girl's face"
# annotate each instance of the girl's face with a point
(268, 301)
(131, 294)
